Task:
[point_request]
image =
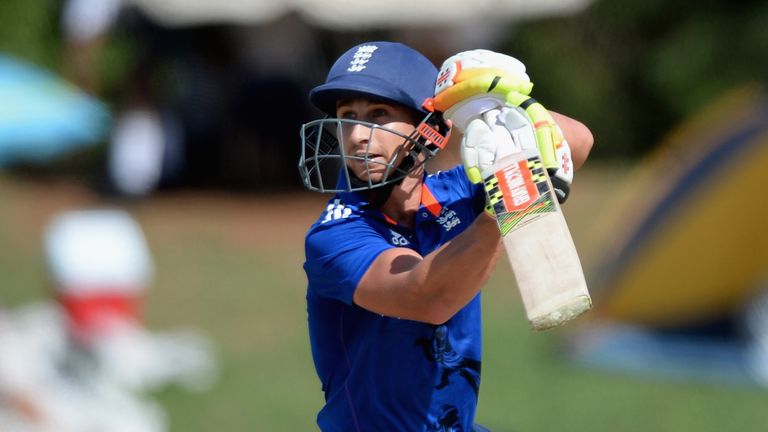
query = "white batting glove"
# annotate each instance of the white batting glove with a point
(491, 136)
(473, 83)
(562, 176)
(553, 148)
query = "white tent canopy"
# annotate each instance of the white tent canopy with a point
(354, 14)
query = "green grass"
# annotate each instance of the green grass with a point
(528, 386)
(231, 266)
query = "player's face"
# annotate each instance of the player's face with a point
(374, 150)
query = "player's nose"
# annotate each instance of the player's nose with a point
(359, 135)
(360, 132)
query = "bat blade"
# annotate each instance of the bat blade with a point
(537, 241)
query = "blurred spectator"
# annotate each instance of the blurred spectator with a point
(85, 25)
(202, 105)
(86, 362)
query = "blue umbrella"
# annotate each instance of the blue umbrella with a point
(42, 116)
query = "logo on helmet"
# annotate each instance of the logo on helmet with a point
(361, 57)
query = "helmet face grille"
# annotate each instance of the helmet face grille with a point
(323, 164)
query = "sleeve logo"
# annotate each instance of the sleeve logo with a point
(336, 210)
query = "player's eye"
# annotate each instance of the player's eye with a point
(378, 114)
(346, 114)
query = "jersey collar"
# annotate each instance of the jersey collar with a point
(429, 202)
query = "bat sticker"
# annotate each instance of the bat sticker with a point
(518, 192)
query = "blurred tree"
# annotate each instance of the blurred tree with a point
(634, 69)
(29, 30)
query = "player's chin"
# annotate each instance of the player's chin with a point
(374, 172)
(367, 177)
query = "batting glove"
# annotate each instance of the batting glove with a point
(553, 148)
(473, 83)
(493, 135)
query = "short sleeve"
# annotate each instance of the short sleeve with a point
(338, 255)
(458, 181)
(475, 191)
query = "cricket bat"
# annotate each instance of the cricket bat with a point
(537, 240)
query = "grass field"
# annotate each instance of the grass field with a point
(230, 265)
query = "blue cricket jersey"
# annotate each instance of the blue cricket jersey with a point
(382, 373)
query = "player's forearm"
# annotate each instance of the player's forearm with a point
(448, 278)
(401, 283)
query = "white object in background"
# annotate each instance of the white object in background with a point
(83, 20)
(136, 152)
(755, 318)
(141, 360)
(60, 388)
(98, 250)
(102, 266)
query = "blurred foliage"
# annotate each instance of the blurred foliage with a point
(30, 30)
(632, 70)
(118, 55)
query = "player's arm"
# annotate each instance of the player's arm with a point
(578, 135)
(401, 283)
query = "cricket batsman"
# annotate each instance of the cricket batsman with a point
(396, 260)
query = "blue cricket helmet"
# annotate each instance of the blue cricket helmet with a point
(385, 70)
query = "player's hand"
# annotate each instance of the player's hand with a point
(490, 137)
(472, 82)
(552, 145)
(495, 134)
(475, 82)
